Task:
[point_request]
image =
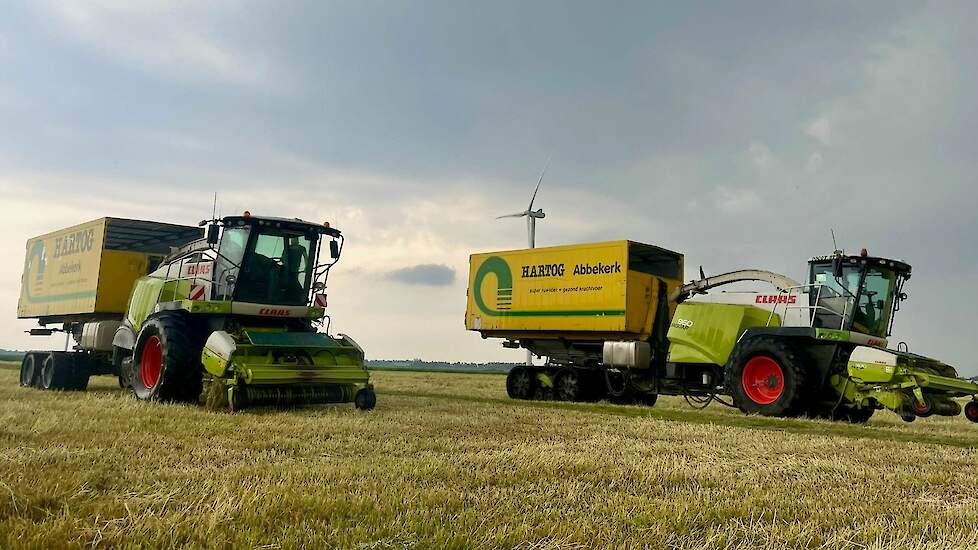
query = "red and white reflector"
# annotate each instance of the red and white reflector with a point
(197, 292)
(319, 300)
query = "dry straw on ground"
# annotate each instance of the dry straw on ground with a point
(446, 461)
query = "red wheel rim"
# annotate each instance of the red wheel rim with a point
(151, 362)
(921, 408)
(763, 380)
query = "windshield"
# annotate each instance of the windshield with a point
(861, 298)
(276, 268)
(873, 310)
(234, 240)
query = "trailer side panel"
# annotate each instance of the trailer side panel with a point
(61, 272)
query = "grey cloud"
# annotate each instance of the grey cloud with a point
(423, 274)
(737, 133)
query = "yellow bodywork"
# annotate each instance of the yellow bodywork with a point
(69, 272)
(582, 291)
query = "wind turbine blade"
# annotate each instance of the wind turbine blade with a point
(520, 215)
(539, 181)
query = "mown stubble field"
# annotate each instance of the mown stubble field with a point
(446, 461)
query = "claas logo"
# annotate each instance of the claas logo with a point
(775, 299)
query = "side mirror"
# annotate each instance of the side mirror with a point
(334, 250)
(837, 268)
(213, 233)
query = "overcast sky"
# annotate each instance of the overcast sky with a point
(736, 133)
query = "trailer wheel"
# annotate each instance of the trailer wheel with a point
(28, 370)
(164, 366)
(568, 386)
(520, 383)
(56, 372)
(79, 372)
(765, 376)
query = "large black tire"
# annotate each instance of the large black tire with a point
(520, 383)
(166, 361)
(56, 371)
(766, 376)
(29, 370)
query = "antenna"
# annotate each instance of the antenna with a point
(835, 246)
(214, 209)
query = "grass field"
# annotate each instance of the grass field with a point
(446, 461)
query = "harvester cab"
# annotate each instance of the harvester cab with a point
(860, 293)
(270, 261)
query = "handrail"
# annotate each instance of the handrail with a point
(813, 309)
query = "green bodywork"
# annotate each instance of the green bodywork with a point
(263, 356)
(707, 333)
(897, 387)
(269, 361)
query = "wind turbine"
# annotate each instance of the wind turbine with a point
(531, 215)
(531, 227)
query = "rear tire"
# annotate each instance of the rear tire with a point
(766, 376)
(520, 383)
(166, 362)
(29, 370)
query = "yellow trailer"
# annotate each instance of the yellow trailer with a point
(89, 269)
(80, 278)
(585, 307)
(590, 291)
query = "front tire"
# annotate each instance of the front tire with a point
(365, 399)
(166, 363)
(766, 376)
